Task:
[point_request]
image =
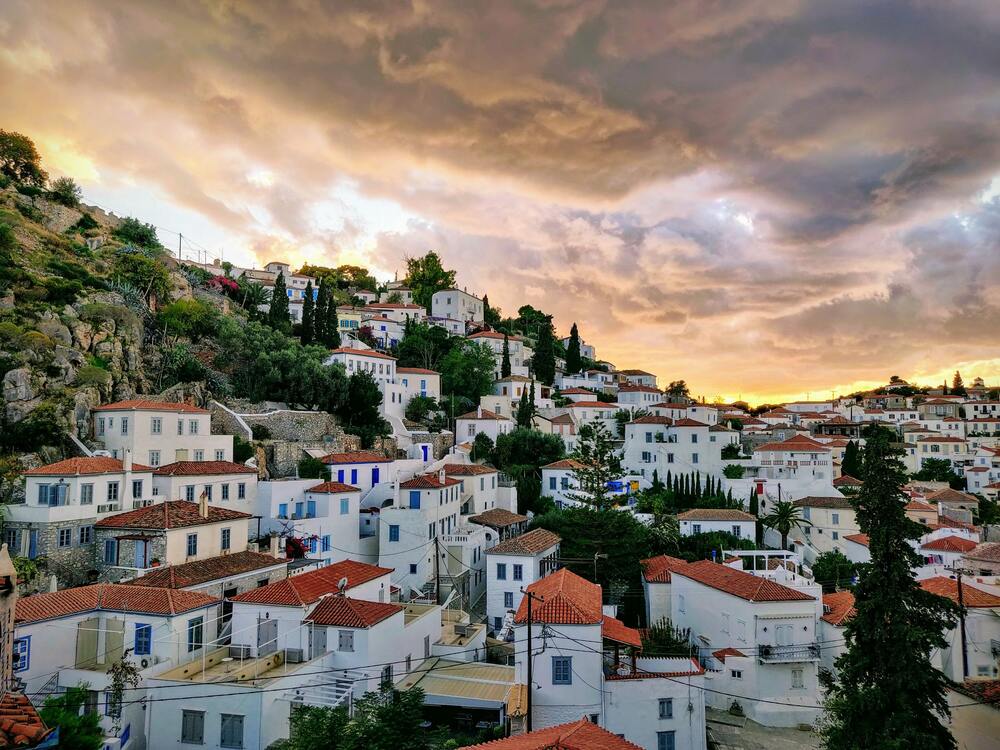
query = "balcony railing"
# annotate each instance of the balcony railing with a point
(769, 654)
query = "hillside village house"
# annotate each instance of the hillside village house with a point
(830, 518)
(636, 377)
(656, 578)
(168, 533)
(457, 305)
(590, 412)
(386, 331)
(984, 559)
(513, 564)
(401, 312)
(482, 421)
(397, 290)
(758, 634)
(478, 486)
(797, 457)
(519, 352)
(222, 483)
(419, 381)
(328, 520)
(588, 664)
(587, 351)
(160, 432)
(223, 576)
(727, 520)
(64, 500)
(559, 481)
(362, 469)
(382, 368)
(635, 397)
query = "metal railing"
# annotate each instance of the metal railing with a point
(769, 654)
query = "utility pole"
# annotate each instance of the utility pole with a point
(437, 570)
(531, 656)
(961, 619)
(180, 240)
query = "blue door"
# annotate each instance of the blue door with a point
(415, 499)
(374, 476)
(140, 554)
(32, 544)
(340, 476)
(424, 449)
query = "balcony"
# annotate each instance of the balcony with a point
(801, 652)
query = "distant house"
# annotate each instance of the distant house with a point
(482, 421)
(727, 520)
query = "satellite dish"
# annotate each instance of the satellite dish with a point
(342, 584)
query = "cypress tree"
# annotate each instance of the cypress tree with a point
(319, 313)
(505, 358)
(669, 482)
(697, 485)
(332, 328)
(544, 360)
(851, 463)
(887, 693)
(277, 313)
(573, 359)
(307, 333)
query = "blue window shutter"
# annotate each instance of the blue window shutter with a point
(415, 498)
(354, 476)
(283, 509)
(311, 508)
(340, 475)
(375, 475)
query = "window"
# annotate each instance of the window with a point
(508, 599)
(154, 458)
(666, 708)
(413, 569)
(22, 653)
(193, 427)
(736, 674)
(741, 631)
(226, 539)
(110, 552)
(136, 488)
(86, 534)
(199, 455)
(220, 455)
(124, 425)
(156, 425)
(345, 506)
(696, 528)
(797, 679)
(552, 483)
(232, 731)
(501, 571)
(836, 535)
(836, 519)
(193, 727)
(694, 458)
(195, 633)
(100, 426)
(282, 510)
(112, 492)
(562, 670)
(65, 537)
(180, 426)
(86, 494)
(345, 640)
(52, 494)
(143, 639)
(192, 545)
(694, 437)
(310, 508)
(393, 533)
(189, 493)
(518, 572)
(725, 622)
(225, 491)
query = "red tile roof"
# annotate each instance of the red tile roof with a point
(498, 518)
(614, 629)
(689, 423)
(658, 569)
(362, 353)
(306, 588)
(971, 596)
(722, 653)
(577, 735)
(531, 543)
(492, 335)
(796, 444)
(590, 405)
(576, 392)
(391, 306)
(950, 544)
(653, 419)
(566, 463)
(143, 404)
(20, 724)
(329, 488)
(416, 371)
(344, 612)
(948, 495)
(200, 468)
(172, 514)
(940, 439)
(847, 480)
(356, 457)
(987, 552)
(210, 569)
(468, 470)
(428, 482)
(861, 539)
(568, 600)
(638, 389)
(480, 414)
(737, 583)
(83, 467)
(110, 597)
(841, 606)
(838, 502)
(920, 505)
(715, 514)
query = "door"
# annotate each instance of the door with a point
(141, 558)
(783, 635)
(267, 637)
(227, 604)
(32, 544)
(317, 641)
(374, 476)
(424, 449)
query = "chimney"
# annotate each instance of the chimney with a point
(274, 546)
(127, 461)
(479, 412)
(441, 475)
(203, 505)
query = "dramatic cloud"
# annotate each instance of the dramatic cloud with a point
(765, 197)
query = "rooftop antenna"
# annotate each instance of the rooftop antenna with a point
(342, 585)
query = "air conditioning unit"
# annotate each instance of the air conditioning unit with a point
(239, 652)
(294, 655)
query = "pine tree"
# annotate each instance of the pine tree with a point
(505, 358)
(307, 333)
(656, 486)
(602, 465)
(331, 330)
(544, 360)
(319, 312)
(887, 693)
(573, 360)
(958, 385)
(277, 314)
(526, 408)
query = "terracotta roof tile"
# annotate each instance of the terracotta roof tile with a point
(428, 482)
(722, 653)
(861, 539)
(796, 444)
(530, 543)
(738, 583)
(306, 588)
(210, 569)
(840, 502)
(949, 495)
(498, 518)
(689, 423)
(143, 404)
(658, 569)
(416, 371)
(950, 544)
(468, 470)
(840, 605)
(846, 480)
(172, 514)
(568, 600)
(329, 488)
(566, 463)
(653, 419)
(362, 353)
(971, 596)
(591, 405)
(199, 468)
(987, 552)
(110, 597)
(577, 735)
(83, 467)
(20, 723)
(481, 414)
(614, 629)
(344, 612)
(356, 457)
(714, 514)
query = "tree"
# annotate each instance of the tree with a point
(311, 468)
(573, 360)
(730, 451)
(711, 544)
(521, 453)
(733, 471)
(426, 275)
(189, 317)
(753, 507)
(958, 385)
(124, 674)
(526, 407)
(467, 371)
(940, 470)
(277, 313)
(833, 570)
(19, 159)
(319, 312)
(601, 466)
(331, 329)
(491, 315)
(307, 334)
(783, 518)
(78, 730)
(851, 463)
(887, 691)
(139, 233)
(543, 362)
(419, 407)
(424, 346)
(662, 639)
(315, 728)
(678, 390)
(505, 358)
(482, 447)
(361, 413)
(65, 191)
(146, 274)
(254, 296)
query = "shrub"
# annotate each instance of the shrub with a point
(144, 273)
(260, 432)
(419, 407)
(62, 291)
(43, 427)
(733, 471)
(85, 223)
(242, 450)
(189, 317)
(90, 375)
(65, 191)
(133, 230)
(181, 366)
(311, 468)
(98, 312)
(30, 212)
(7, 240)
(9, 331)
(36, 341)
(31, 191)
(72, 271)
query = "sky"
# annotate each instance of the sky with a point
(771, 199)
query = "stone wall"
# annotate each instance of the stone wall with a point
(441, 441)
(296, 425)
(72, 565)
(246, 582)
(283, 456)
(126, 554)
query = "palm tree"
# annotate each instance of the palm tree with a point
(255, 295)
(783, 518)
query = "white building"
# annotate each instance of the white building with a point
(520, 354)
(479, 485)
(457, 305)
(798, 457)
(401, 312)
(328, 518)
(634, 397)
(830, 520)
(513, 564)
(559, 481)
(223, 483)
(160, 432)
(418, 381)
(482, 421)
(726, 520)
(656, 578)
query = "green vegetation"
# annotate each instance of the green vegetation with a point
(191, 318)
(544, 360)
(733, 471)
(851, 463)
(20, 160)
(277, 313)
(505, 357)
(940, 470)
(890, 701)
(311, 468)
(65, 191)
(663, 639)
(573, 360)
(78, 729)
(308, 329)
(783, 517)
(601, 465)
(146, 274)
(427, 275)
(682, 492)
(731, 452)
(242, 450)
(521, 454)
(420, 407)
(833, 570)
(467, 372)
